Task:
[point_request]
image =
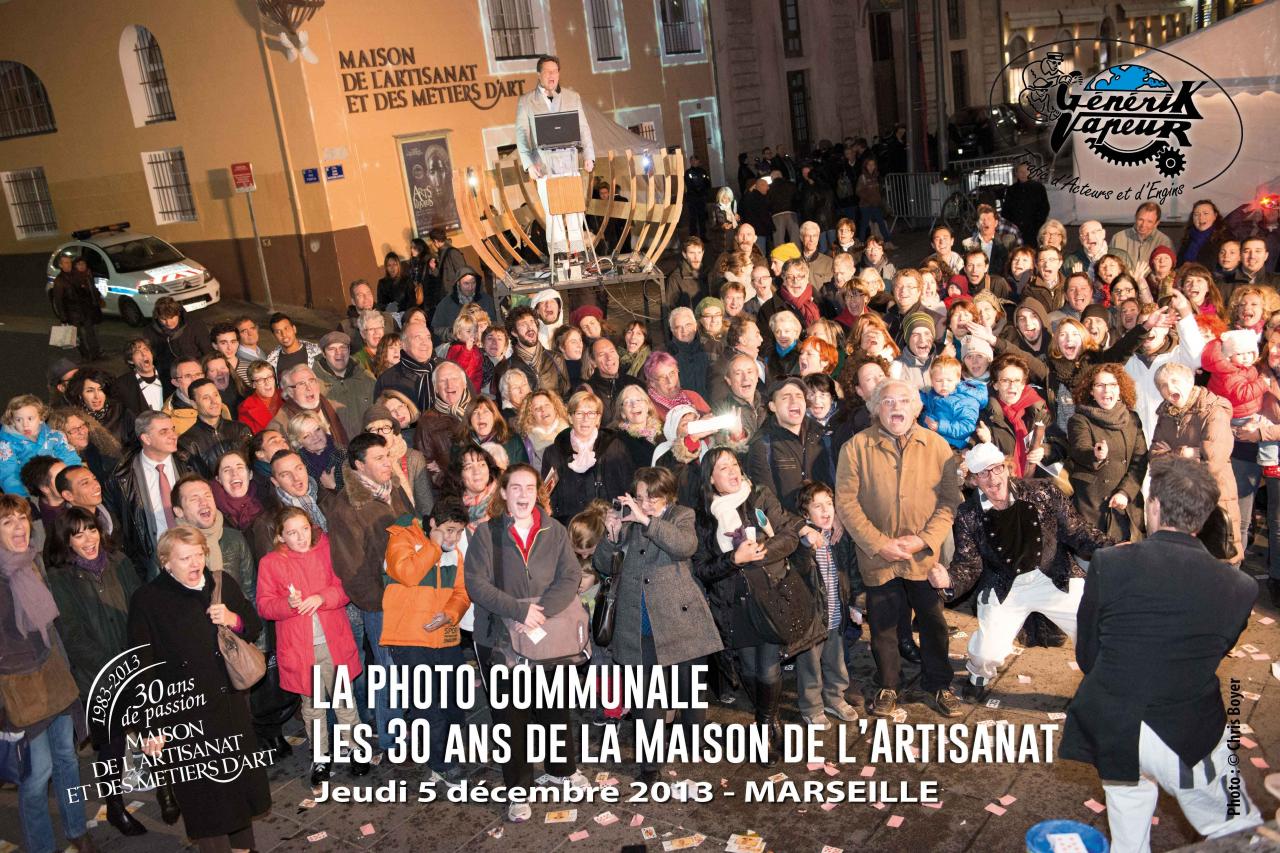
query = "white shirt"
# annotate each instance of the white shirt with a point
(152, 391)
(153, 488)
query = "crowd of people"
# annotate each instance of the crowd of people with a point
(820, 438)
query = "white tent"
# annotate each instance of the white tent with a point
(1242, 54)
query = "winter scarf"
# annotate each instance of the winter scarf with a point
(241, 511)
(1014, 415)
(213, 536)
(33, 605)
(729, 526)
(803, 304)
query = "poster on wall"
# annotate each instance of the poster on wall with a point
(428, 178)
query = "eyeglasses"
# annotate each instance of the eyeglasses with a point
(263, 380)
(712, 315)
(305, 383)
(1102, 386)
(386, 430)
(586, 413)
(190, 376)
(895, 402)
(81, 428)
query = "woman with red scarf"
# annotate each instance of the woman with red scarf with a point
(1016, 416)
(257, 410)
(797, 292)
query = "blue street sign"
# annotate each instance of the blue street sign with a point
(311, 176)
(333, 173)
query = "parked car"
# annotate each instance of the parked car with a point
(133, 270)
(978, 131)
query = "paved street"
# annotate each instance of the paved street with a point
(1035, 685)
(961, 824)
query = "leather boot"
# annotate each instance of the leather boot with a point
(169, 809)
(749, 687)
(120, 818)
(768, 698)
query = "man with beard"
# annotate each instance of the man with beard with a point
(744, 240)
(545, 368)
(302, 393)
(687, 283)
(349, 387)
(465, 291)
(213, 433)
(141, 387)
(1014, 540)
(411, 376)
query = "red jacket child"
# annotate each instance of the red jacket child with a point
(310, 573)
(1232, 375)
(471, 360)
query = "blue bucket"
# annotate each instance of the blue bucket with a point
(1038, 836)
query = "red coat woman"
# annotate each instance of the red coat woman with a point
(310, 573)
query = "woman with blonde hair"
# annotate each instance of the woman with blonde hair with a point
(637, 423)
(404, 411)
(542, 418)
(1052, 233)
(724, 217)
(870, 336)
(585, 461)
(309, 435)
(174, 624)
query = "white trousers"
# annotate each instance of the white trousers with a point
(999, 622)
(1211, 794)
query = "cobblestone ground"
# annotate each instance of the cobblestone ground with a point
(1034, 686)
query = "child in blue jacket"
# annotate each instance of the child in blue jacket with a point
(952, 405)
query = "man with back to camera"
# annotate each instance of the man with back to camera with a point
(1155, 620)
(549, 97)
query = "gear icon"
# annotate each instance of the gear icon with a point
(1170, 161)
(1127, 158)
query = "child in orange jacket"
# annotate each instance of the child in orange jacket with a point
(421, 607)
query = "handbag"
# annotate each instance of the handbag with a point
(29, 697)
(606, 611)
(245, 662)
(13, 747)
(63, 335)
(567, 637)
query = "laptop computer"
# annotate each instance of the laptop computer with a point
(557, 130)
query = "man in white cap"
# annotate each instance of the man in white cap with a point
(1014, 540)
(549, 308)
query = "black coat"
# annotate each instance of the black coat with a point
(1026, 205)
(124, 497)
(1155, 621)
(784, 461)
(169, 621)
(608, 478)
(694, 364)
(76, 300)
(189, 339)
(725, 582)
(755, 210)
(126, 391)
(1060, 527)
(93, 616)
(201, 445)
(1122, 471)
(608, 389)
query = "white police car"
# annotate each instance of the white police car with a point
(132, 271)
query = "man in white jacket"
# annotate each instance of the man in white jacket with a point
(549, 97)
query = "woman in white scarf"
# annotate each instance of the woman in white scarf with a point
(742, 528)
(585, 461)
(542, 418)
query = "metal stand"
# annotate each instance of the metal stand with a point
(570, 244)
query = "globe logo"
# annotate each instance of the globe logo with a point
(1128, 78)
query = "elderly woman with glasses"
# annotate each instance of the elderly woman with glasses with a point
(585, 461)
(257, 410)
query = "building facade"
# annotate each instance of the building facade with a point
(353, 116)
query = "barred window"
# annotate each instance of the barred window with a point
(170, 186)
(152, 77)
(647, 129)
(681, 27)
(607, 33)
(514, 29)
(24, 104)
(792, 44)
(30, 206)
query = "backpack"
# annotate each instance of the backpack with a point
(844, 185)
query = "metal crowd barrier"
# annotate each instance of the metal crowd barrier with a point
(914, 196)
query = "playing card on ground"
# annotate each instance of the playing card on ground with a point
(562, 816)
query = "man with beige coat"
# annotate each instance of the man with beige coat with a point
(897, 489)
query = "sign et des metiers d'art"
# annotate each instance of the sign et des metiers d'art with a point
(390, 78)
